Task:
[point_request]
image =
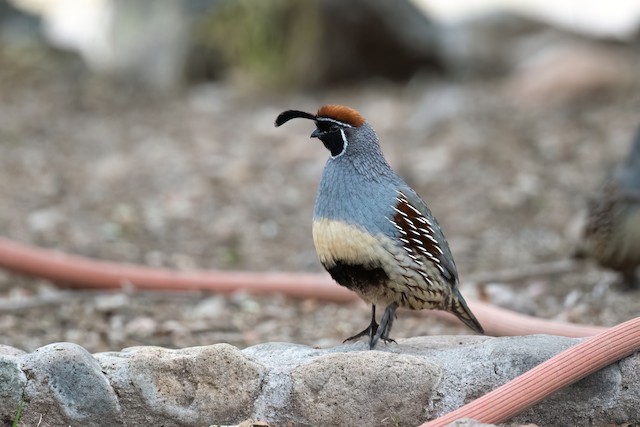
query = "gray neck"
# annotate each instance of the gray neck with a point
(358, 187)
(363, 155)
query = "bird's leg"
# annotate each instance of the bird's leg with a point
(371, 329)
(385, 326)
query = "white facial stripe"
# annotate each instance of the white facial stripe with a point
(344, 144)
(326, 119)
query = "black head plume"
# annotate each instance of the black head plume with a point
(285, 116)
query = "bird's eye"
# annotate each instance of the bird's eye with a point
(334, 128)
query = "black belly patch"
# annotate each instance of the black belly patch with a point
(358, 276)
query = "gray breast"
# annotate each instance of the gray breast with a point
(349, 196)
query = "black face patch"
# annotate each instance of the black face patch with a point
(333, 142)
(332, 134)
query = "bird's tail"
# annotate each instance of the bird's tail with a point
(460, 308)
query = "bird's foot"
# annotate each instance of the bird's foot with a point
(371, 331)
(380, 336)
(387, 339)
(385, 327)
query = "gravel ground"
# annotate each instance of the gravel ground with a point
(202, 179)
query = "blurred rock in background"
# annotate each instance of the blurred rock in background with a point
(277, 43)
(133, 40)
(16, 26)
(163, 44)
(618, 20)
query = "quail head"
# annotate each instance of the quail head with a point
(611, 235)
(372, 232)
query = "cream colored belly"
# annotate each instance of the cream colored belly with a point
(336, 241)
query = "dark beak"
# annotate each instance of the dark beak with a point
(316, 133)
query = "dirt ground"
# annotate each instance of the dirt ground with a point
(202, 179)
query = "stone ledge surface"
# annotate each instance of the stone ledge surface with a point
(405, 384)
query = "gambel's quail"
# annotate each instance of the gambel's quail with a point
(612, 232)
(372, 232)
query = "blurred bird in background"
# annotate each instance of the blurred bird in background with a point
(611, 235)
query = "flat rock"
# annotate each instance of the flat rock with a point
(216, 384)
(407, 383)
